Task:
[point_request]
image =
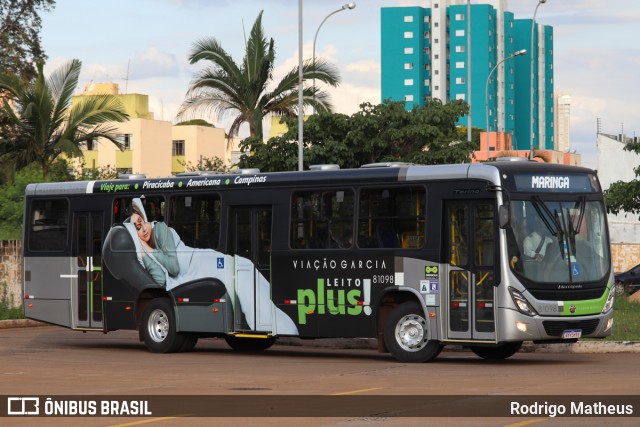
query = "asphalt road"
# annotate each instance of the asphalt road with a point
(52, 361)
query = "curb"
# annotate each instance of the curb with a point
(371, 343)
(20, 323)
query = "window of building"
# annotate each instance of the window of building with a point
(459, 64)
(460, 80)
(426, 34)
(408, 19)
(322, 219)
(436, 24)
(459, 17)
(435, 41)
(426, 51)
(460, 33)
(436, 88)
(436, 56)
(408, 34)
(408, 66)
(427, 19)
(408, 50)
(436, 72)
(48, 225)
(125, 140)
(196, 219)
(122, 171)
(392, 217)
(408, 82)
(461, 96)
(427, 67)
(88, 145)
(427, 82)
(408, 98)
(460, 49)
(177, 147)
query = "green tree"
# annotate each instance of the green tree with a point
(48, 124)
(376, 133)
(625, 196)
(206, 164)
(225, 87)
(20, 25)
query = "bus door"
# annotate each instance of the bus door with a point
(86, 270)
(250, 242)
(470, 296)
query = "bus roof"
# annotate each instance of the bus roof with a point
(379, 173)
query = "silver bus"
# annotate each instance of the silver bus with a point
(484, 256)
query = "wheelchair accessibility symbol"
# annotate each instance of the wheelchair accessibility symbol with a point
(220, 262)
(575, 270)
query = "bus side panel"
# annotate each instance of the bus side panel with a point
(334, 292)
(47, 292)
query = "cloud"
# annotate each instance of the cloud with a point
(365, 66)
(153, 62)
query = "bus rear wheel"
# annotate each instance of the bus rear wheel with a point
(159, 327)
(406, 335)
(249, 344)
(503, 351)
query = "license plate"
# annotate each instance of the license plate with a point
(572, 333)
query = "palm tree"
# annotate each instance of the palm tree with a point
(228, 88)
(47, 124)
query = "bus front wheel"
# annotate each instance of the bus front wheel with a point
(159, 327)
(406, 334)
(503, 351)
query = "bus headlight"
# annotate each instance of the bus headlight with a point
(521, 303)
(609, 304)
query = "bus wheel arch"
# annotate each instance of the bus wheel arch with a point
(403, 328)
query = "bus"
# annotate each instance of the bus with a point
(417, 257)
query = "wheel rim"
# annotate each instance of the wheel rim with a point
(411, 332)
(158, 325)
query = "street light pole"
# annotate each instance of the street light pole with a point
(532, 56)
(300, 92)
(346, 6)
(513, 55)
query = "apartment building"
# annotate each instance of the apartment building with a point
(425, 54)
(152, 147)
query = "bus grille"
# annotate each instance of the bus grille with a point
(555, 328)
(567, 295)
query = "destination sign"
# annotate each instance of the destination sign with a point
(556, 183)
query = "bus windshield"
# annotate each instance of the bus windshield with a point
(558, 241)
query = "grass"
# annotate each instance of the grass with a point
(6, 311)
(626, 320)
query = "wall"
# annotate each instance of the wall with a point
(11, 270)
(616, 164)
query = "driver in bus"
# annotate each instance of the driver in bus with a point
(535, 244)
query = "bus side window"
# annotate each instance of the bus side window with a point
(322, 219)
(392, 217)
(48, 225)
(196, 219)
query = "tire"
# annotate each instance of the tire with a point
(249, 344)
(500, 352)
(159, 327)
(406, 335)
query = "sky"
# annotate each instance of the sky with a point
(143, 46)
